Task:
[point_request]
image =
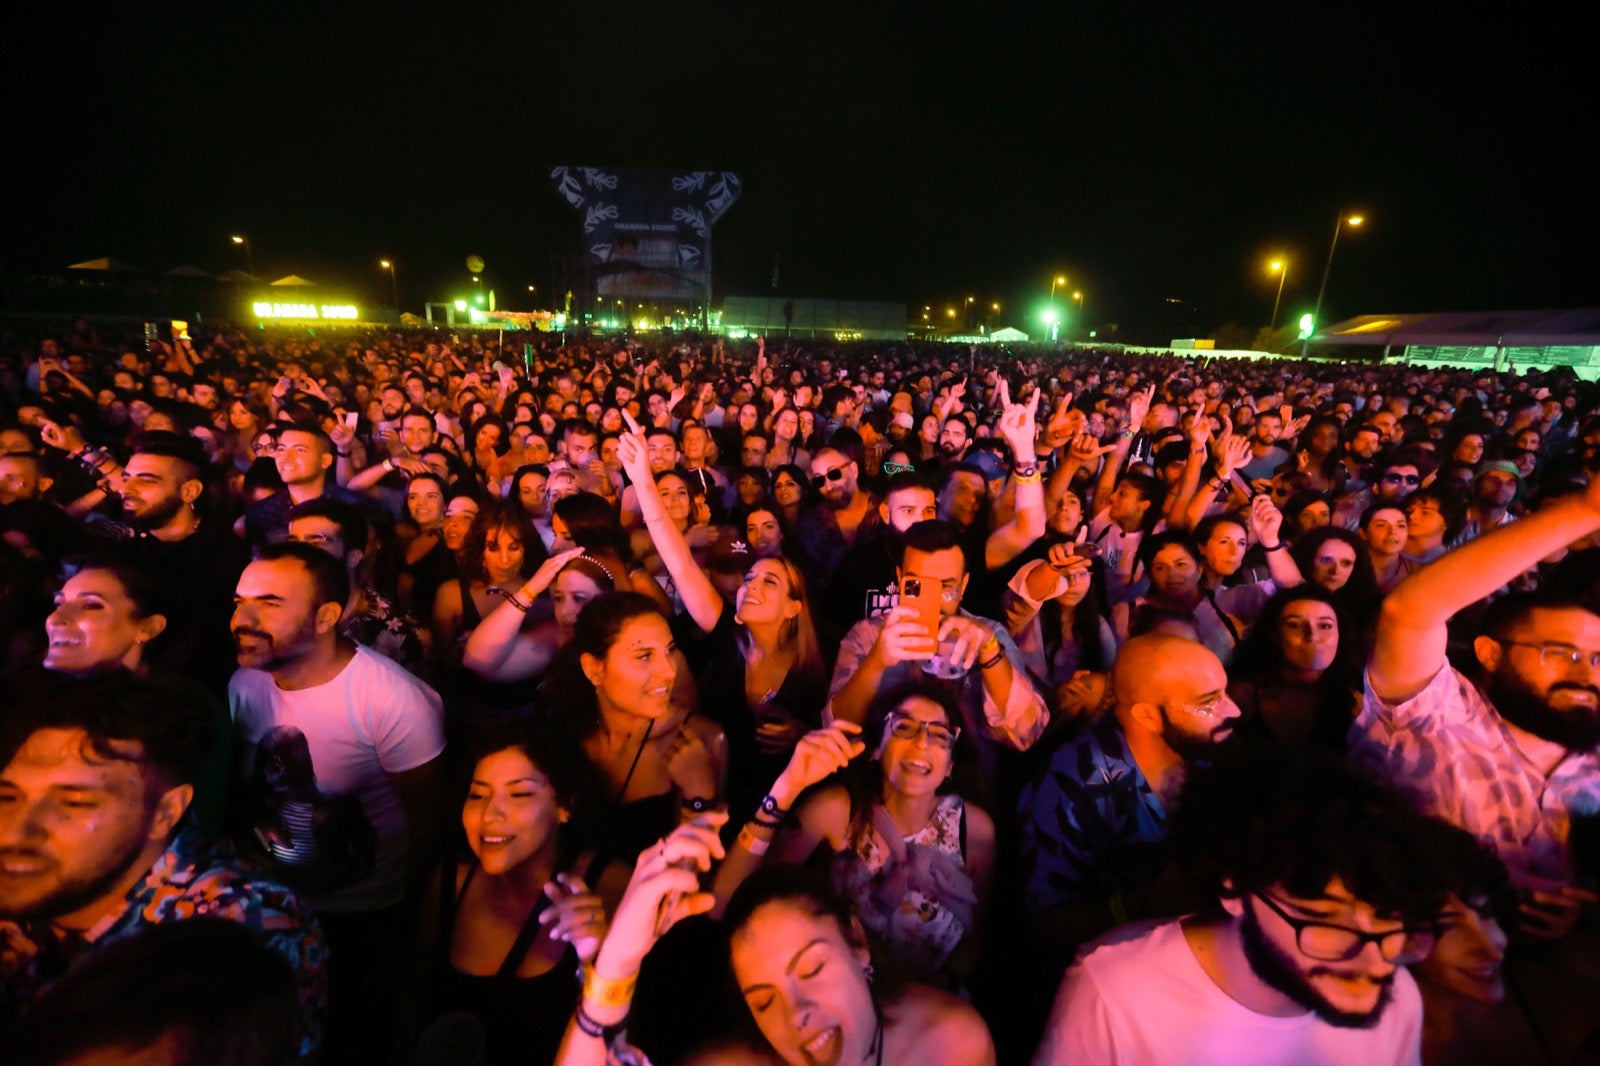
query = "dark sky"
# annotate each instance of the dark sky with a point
(906, 152)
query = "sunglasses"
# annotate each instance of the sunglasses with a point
(898, 468)
(832, 474)
(1402, 479)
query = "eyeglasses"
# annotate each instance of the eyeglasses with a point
(1402, 479)
(831, 474)
(1336, 943)
(1559, 656)
(321, 540)
(898, 468)
(904, 727)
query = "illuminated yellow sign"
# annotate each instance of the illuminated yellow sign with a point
(346, 312)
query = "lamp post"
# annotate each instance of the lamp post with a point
(394, 283)
(249, 257)
(1078, 296)
(1316, 313)
(1279, 267)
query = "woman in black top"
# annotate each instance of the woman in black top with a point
(518, 914)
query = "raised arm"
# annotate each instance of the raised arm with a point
(700, 597)
(1231, 453)
(1027, 522)
(491, 644)
(1410, 642)
(1266, 522)
(1138, 407)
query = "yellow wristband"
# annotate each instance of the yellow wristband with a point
(608, 991)
(752, 843)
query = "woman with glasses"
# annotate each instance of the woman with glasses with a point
(914, 857)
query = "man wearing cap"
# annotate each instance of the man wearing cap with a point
(1495, 488)
(728, 561)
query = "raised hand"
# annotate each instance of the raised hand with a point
(968, 636)
(63, 437)
(664, 890)
(904, 639)
(691, 766)
(1139, 405)
(1017, 424)
(1232, 453)
(548, 571)
(575, 916)
(819, 753)
(1265, 520)
(633, 456)
(1085, 449)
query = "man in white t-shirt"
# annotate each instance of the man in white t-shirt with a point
(340, 751)
(1329, 886)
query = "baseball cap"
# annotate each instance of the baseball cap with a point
(730, 554)
(993, 467)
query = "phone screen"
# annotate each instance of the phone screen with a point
(180, 330)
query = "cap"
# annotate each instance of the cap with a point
(993, 467)
(730, 554)
(902, 418)
(1500, 466)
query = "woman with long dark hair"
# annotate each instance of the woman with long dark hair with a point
(615, 689)
(1297, 675)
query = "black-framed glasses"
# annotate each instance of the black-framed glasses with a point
(898, 468)
(1402, 479)
(1326, 942)
(905, 727)
(1559, 656)
(831, 474)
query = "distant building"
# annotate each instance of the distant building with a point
(1491, 340)
(778, 316)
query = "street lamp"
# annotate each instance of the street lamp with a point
(1316, 313)
(249, 257)
(394, 283)
(1279, 267)
(1078, 296)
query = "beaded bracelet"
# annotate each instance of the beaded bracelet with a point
(590, 1027)
(511, 598)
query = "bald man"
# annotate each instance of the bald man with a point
(1094, 823)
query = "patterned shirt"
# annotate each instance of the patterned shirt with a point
(187, 881)
(1449, 747)
(1091, 824)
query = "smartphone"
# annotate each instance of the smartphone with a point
(180, 330)
(350, 419)
(152, 336)
(922, 597)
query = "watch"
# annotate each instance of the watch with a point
(697, 805)
(1031, 470)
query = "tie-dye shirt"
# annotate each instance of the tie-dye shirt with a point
(1450, 749)
(187, 881)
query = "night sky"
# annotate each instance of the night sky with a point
(909, 153)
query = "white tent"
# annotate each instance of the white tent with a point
(294, 280)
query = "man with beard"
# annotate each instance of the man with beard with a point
(954, 437)
(343, 748)
(1510, 757)
(826, 530)
(96, 779)
(1094, 822)
(1494, 490)
(1327, 886)
(183, 547)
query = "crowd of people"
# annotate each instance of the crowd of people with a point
(390, 697)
